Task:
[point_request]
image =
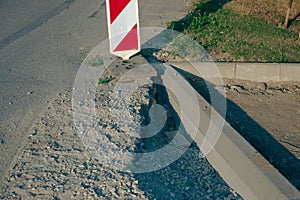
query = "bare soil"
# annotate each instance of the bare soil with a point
(267, 115)
(274, 106)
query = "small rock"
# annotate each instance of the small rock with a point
(112, 190)
(269, 91)
(35, 132)
(172, 195)
(121, 192)
(236, 88)
(57, 145)
(262, 86)
(182, 168)
(97, 190)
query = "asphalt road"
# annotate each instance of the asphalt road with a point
(40, 52)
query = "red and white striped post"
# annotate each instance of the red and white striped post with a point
(123, 27)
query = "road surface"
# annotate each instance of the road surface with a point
(42, 44)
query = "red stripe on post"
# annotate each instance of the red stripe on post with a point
(130, 41)
(116, 7)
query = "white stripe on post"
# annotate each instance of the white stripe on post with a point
(123, 27)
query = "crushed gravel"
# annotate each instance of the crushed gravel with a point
(55, 164)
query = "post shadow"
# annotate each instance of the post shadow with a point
(281, 158)
(189, 177)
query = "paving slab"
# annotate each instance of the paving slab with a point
(289, 71)
(260, 72)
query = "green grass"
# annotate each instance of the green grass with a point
(104, 80)
(230, 36)
(95, 62)
(82, 55)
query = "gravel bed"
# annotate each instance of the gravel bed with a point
(55, 164)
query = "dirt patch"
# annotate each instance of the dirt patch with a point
(274, 11)
(274, 106)
(267, 115)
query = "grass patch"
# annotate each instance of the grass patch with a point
(231, 36)
(104, 80)
(186, 47)
(95, 62)
(82, 55)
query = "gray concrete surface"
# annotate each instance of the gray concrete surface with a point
(290, 71)
(40, 52)
(251, 71)
(16, 14)
(258, 72)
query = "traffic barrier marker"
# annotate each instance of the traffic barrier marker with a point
(123, 27)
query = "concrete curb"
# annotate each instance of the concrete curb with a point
(239, 164)
(251, 71)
